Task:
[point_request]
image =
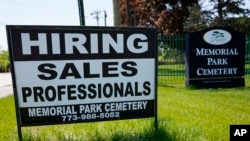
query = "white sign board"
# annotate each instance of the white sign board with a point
(81, 74)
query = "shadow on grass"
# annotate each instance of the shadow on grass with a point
(147, 134)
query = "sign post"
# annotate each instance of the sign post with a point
(82, 74)
(215, 58)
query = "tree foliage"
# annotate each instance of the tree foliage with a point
(4, 61)
(196, 20)
(224, 9)
(179, 16)
(230, 13)
(166, 15)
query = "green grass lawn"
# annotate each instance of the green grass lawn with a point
(184, 114)
(204, 114)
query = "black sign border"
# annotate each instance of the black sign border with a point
(11, 28)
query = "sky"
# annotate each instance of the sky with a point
(50, 12)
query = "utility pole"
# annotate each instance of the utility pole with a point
(81, 12)
(105, 17)
(97, 17)
(116, 13)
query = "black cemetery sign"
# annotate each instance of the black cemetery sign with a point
(215, 58)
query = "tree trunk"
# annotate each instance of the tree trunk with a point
(220, 7)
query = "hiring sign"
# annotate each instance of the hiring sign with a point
(215, 58)
(82, 74)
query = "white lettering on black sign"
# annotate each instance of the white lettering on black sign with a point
(222, 53)
(78, 74)
(135, 43)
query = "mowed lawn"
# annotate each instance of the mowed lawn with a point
(205, 114)
(184, 114)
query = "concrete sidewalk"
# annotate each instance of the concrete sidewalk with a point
(5, 84)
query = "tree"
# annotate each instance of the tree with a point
(223, 10)
(241, 24)
(4, 61)
(197, 19)
(166, 15)
(218, 13)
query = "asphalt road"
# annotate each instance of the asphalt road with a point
(5, 84)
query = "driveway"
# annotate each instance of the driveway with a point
(5, 84)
